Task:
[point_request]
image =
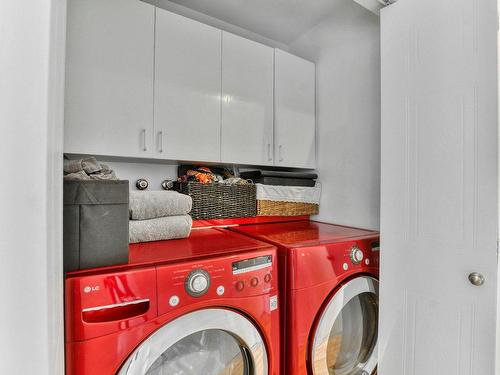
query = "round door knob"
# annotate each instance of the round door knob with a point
(197, 283)
(476, 279)
(356, 255)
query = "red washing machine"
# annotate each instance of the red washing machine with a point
(203, 305)
(329, 295)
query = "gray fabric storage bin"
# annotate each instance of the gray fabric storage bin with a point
(96, 219)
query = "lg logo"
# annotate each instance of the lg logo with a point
(89, 289)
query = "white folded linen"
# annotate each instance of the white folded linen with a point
(163, 228)
(153, 204)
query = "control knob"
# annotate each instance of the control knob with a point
(197, 283)
(240, 285)
(254, 281)
(356, 255)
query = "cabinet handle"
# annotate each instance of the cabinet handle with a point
(144, 147)
(269, 157)
(160, 135)
(280, 154)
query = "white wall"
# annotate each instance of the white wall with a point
(153, 173)
(31, 87)
(346, 49)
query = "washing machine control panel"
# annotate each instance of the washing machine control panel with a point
(246, 275)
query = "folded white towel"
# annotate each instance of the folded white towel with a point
(163, 228)
(152, 204)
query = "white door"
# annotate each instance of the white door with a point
(109, 78)
(247, 101)
(187, 89)
(295, 119)
(439, 187)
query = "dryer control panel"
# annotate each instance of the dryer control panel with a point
(320, 264)
(242, 275)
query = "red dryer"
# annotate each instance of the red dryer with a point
(204, 305)
(329, 294)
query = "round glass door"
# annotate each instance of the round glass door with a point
(208, 342)
(345, 341)
(211, 352)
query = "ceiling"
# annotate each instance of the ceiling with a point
(280, 20)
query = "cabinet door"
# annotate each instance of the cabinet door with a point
(109, 78)
(187, 89)
(247, 101)
(295, 117)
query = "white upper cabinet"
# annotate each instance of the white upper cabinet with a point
(294, 100)
(187, 89)
(247, 101)
(145, 82)
(109, 78)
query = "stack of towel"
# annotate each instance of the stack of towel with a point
(159, 215)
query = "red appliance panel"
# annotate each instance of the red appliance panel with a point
(113, 316)
(304, 308)
(98, 305)
(201, 244)
(224, 223)
(92, 357)
(303, 233)
(320, 264)
(225, 282)
(315, 259)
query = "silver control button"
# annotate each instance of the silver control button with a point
(220, 290)
(197, 283)
(357, 255)
(174, 301)
(345, 266)
(367, 261)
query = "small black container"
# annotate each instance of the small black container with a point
(96, 219)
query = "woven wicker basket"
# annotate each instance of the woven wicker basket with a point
(219, 201)
(277, 208)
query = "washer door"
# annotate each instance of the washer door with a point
(209, 342)
(345, 340)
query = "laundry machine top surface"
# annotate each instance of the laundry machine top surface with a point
(304, 233)
(201, 244)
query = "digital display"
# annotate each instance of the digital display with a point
(376, 246)
(252, 264)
